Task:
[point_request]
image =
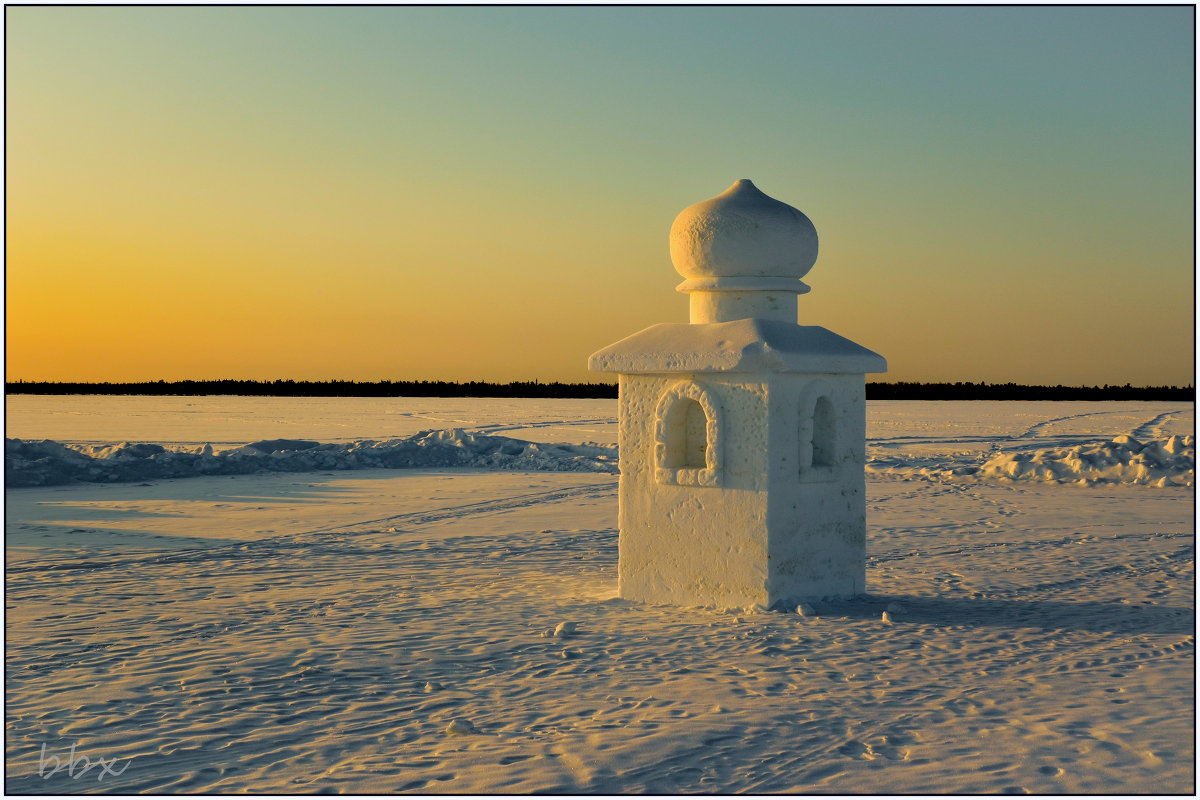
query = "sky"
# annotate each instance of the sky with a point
(473, 193)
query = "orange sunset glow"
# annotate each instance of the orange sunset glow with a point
(485, 193)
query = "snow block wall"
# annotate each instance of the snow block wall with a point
(783, 516)
(694, 543)
(817, 514)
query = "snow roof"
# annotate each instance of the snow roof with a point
(744, 345)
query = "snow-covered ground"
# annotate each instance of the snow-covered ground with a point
(360, 629)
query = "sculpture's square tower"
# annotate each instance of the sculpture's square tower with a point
(742, 434)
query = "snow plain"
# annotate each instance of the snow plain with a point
(384, 630)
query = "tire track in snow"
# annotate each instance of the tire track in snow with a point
(554, 423)
(904, 441)
(1035, 431)
(1162, 563)
(1002, 509)
(1182, 647)
(1029, 545)
(417, 518)
(1154, 428)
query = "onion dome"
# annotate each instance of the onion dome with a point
(743, 233)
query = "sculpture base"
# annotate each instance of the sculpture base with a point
(783, 518)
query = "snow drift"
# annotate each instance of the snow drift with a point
(1123, 460)
(46, 463)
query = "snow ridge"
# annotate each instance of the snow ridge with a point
(47, 463)
(1123, 460)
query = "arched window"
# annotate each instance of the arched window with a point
(823, 439)
(687, 445)
(818, 443)
(687, 435)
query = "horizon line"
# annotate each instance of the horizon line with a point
(545, 382)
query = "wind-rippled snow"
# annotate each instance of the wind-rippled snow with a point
(458, 630)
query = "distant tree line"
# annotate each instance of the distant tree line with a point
(1016, 391)
(289, 388)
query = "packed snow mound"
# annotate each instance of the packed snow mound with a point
(1123, 460)
(46, 463)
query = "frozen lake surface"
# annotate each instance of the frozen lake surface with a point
(228, 421)
(381, 630)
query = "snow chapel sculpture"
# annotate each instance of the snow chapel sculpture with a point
(742, 434)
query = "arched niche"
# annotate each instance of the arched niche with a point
(687, 437)
(819, 456)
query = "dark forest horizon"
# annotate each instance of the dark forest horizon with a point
(960, 390)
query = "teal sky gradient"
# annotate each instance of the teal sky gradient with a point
(1001, 193)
